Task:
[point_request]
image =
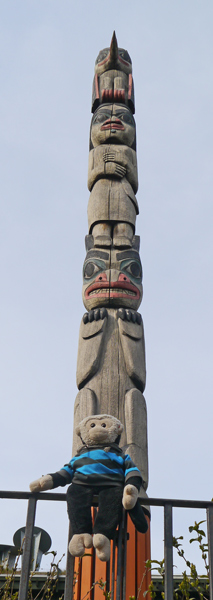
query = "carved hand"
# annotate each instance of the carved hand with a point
(130, 496)
(94, 315)
(129, 315)
(109, 156)
(112, 168)
(40, 485)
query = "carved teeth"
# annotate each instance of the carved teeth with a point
(111, 291)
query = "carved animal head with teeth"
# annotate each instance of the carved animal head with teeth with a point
(112, 278)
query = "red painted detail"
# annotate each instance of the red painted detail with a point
(123, 61)
(123, 277)
(104, 61)
(110, 96)
(130, 87)
(119, 95)
(96, 86)
(120, 284)
(107, 95)
(101, 277)
(109, 124)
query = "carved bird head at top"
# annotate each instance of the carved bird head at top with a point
(113, 58)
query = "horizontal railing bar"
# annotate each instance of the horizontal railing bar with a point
(27, 495)
(60, 497)
(175, 502)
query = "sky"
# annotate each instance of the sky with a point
(48, 50)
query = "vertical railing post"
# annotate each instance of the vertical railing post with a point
(25, 571)
(210, 548)
(68, 591)
(119, 562)
(124, 554)
(168, 552)
(113, 570)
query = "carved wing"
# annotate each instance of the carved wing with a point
(91, 339)
(133, 345)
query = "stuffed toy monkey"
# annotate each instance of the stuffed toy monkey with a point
(99, 468)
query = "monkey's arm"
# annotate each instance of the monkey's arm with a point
(133, 482)
(52, 480)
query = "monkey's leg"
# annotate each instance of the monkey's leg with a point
(79, 500)
(136, 431)
(85, 405)
(109, 510)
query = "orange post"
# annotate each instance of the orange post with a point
(90, 569)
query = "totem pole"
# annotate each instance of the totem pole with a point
(111, 370)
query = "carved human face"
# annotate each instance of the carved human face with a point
(112, 278)
(113, 123)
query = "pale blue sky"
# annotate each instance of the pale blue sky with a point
(48, 49)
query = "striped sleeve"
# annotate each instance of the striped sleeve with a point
(61, 478)
(130, 469)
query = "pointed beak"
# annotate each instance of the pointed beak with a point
(113, 52)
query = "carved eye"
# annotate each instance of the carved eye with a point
(92, 425)
(134, 269)
(101, 56)
(101, 116)
(90, 269)
(126, 117)
(103, 424)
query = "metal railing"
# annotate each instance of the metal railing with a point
(121, 542)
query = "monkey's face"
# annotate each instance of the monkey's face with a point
(112, 278)
(113, 123)
(99, 429)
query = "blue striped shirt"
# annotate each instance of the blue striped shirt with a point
(99, 467)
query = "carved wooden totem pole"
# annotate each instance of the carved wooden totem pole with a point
(111, 371)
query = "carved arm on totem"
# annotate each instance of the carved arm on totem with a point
(108, 161)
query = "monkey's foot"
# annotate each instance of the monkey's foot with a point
(94, 315)
(102, 545)
(79, 542)
(129, 315)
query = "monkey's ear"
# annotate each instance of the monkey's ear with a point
(120, 428)
(77, 430)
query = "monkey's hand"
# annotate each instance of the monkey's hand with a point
(130, 496)
(40, 485)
